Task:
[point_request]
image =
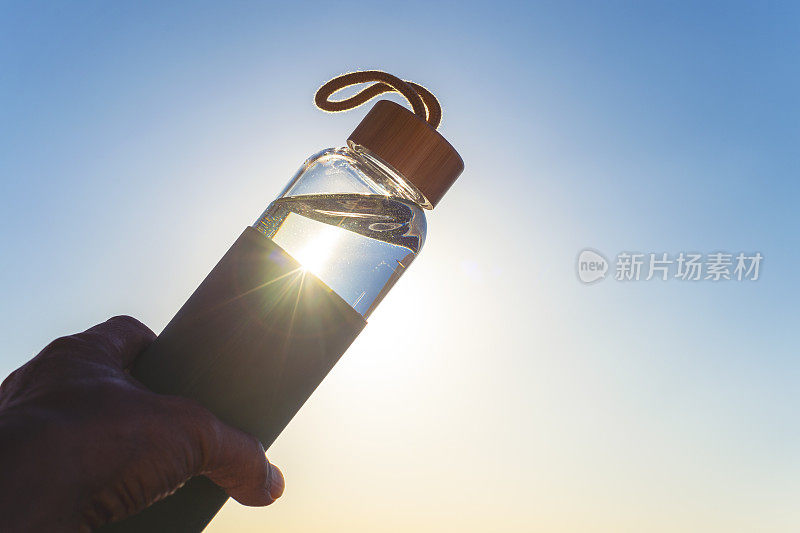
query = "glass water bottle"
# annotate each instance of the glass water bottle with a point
(351, 221)
(287, 299)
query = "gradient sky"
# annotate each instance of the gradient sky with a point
(491, 390)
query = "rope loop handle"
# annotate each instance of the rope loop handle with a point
(423, 102)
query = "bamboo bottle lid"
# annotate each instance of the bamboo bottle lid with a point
(409, 145)
(405, 141)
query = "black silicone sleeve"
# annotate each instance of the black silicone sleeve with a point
(251, 345)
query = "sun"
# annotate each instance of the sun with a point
(316, 254)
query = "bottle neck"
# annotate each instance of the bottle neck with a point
(390, 179)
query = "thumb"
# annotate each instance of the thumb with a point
(231, 458)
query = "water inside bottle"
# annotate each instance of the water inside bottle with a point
(357, 244)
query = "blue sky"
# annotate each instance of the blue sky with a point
(138, 139)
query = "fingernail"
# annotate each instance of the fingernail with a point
(276, 482)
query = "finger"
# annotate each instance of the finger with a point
(229, 457)
(121, 338)
(116, 341)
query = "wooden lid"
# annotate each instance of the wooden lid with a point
(410, 146)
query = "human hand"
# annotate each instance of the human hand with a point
(83, 444)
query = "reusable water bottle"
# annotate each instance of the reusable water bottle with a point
(283, 304)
